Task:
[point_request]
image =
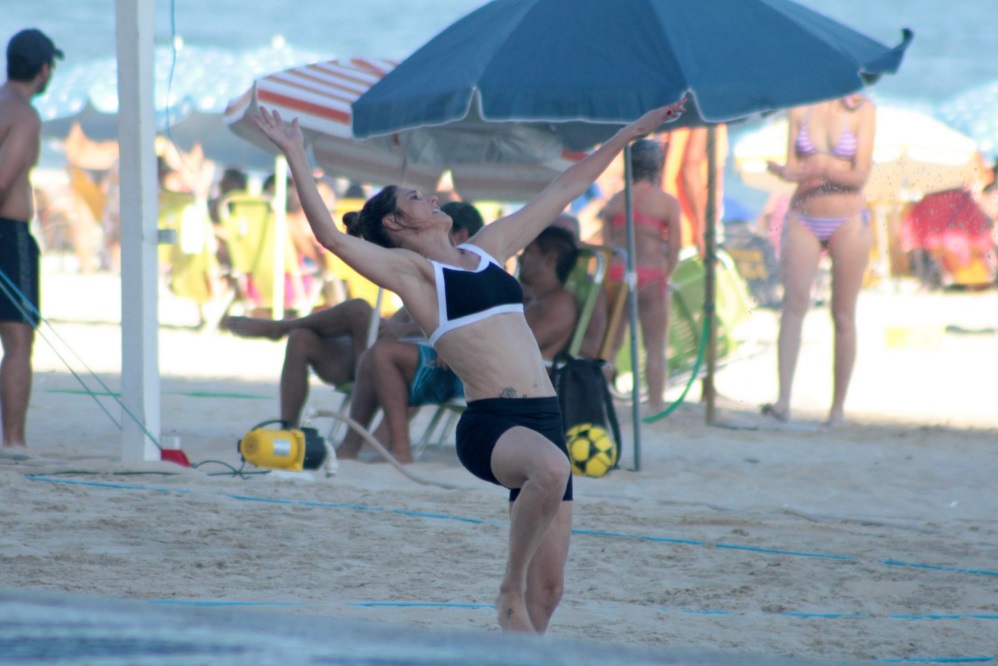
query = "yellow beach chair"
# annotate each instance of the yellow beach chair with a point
(248, 230)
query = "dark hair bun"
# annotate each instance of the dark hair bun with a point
(351, 221)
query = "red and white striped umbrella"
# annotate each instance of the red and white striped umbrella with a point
(320, 95)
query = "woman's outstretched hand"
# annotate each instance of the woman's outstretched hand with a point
(655, 118)
(281, 134)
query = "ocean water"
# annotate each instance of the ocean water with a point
(955, 47)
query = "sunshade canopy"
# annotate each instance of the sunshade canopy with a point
(319, 96)
(579, 69)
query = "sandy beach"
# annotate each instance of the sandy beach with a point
(872, 542)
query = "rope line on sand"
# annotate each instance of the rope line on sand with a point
(223, 603)
(804, 615)
(355, 507)
(359, 604)
(808, 615)
(775, 551)
(416, 604)
(31, 313)
(212, 603)
(936, 660)
(480, 521)
(896, 563)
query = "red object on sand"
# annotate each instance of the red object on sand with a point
(953, 228)
(942, 214)
(175, 456)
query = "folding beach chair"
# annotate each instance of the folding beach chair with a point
(248, 228)
(732, 307)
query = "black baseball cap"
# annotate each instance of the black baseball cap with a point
(31, 48)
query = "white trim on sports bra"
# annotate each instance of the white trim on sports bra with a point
(446, 325)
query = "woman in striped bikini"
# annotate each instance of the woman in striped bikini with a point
(829, 158)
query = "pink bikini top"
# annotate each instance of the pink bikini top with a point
(641, 220)
(844, 148)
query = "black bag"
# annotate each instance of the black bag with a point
(584, 394)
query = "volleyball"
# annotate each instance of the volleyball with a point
(591, 450)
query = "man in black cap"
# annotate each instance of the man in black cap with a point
(30, 59)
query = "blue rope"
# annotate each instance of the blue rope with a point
(479, 521)
(31, 313)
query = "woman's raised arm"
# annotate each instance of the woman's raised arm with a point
(507, 236)
(290, 140)
(387, 268)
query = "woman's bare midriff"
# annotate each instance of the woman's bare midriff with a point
(496, 357)
(650, 249)
(828, 200)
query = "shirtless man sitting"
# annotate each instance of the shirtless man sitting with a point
(330, 342)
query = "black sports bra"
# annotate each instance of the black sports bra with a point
(466, 296)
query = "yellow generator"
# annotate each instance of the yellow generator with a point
(285, 448)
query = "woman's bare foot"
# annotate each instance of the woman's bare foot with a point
(404, 458)
(648, 409)
(835, 420)
(14, 452)
(773, 411)
(252, 327)
(512, 613)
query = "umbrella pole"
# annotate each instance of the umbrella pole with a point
(632, 309)
(280, 231)
(710, 266)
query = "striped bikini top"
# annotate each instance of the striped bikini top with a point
(466, 296)
(844, 148)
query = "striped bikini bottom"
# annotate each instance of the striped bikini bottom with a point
(824, 228)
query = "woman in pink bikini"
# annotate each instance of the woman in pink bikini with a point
(656, 247)
(829, 158)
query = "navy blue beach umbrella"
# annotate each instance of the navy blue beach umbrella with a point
(519, 80)
(582, 68)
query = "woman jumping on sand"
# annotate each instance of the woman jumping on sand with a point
(472, 312)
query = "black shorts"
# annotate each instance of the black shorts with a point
(19, 263)
(485, 421)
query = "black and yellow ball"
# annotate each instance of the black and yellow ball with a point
(591, 450)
